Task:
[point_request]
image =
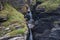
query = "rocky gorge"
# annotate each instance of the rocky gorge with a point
(42, 20)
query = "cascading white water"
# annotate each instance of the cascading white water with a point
(30, 14)
(30, 24)
(31, 37)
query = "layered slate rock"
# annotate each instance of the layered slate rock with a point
(43, 27)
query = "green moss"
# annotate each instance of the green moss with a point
(16, 32)
(14, 18)
(50, 5)
(42, 0)
(13, 15)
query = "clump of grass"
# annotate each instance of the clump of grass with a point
(49, 5)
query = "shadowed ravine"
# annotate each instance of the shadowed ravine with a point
(42, 20)
(30, 25)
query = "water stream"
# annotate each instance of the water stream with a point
(30, 24)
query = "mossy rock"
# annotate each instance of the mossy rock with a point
(24, 8)
(41, 0)
(15, 18)
(49, 5)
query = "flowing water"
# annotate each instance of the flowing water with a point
(31, 37)
(30, 14)
(30, 25)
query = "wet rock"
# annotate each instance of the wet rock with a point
(41, 26)
(40, 9)
(46, 33)
(55, 33)
(3, 19)
(45, 23)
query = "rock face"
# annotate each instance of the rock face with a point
(17, 3)
(20, 5)
(44, 27)
(48, 6)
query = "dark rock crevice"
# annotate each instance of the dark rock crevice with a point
(45, 21)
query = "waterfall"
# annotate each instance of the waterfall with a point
(29, 13)
(30, 32)
(30, 24)
(31, 37)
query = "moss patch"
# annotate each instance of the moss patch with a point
(50, 5)
(42, 0)
(14, 17)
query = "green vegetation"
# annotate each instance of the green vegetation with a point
(15, 18)
(49, 5)
(13, 15)
(42, 0)
(16, 32)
